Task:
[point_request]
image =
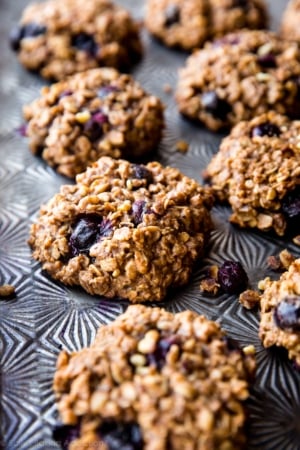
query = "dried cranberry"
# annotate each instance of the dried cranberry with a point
(104, 91)
(65, 434)
(140, 172)
(265, 129)
(121, 435)
(94, 126)
(86, 43)
(232, 277)
(158, 357)
(287, 313)
(215, 105)
(172, 15)
(87, 231)
(29, 30)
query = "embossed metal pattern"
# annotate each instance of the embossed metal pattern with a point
(46, 316)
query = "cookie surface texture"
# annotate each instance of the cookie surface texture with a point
(155, 380)
(91, 114)
(280, 312)
(59, 38)
(290, 21)
(124, 230)
(187, 24)
(257, 170)
(238, 77)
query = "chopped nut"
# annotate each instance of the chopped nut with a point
(286, 258)
(263, 283)
(182, 146)
(296, 240)
(249, 350)
(209, 286)
(274, 262)
(167, 88)
(7, 291)
(83, 116)
(249, 298)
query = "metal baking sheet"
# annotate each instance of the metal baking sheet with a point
(46, 316)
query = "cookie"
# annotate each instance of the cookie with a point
(124, 230)
(154, 380)
(187, 24)
(290, 21)
(59, 38)
(280, 312)
(238, 77)
(91, 114)
(257, 170)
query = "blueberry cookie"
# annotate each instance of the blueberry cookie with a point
(280, 312)
(124, 230)
(257, 170)
(154, 380)
(290, 21)
(91, 114)
(59, 38)
(187, 24)
(238, 77)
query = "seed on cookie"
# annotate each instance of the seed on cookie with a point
(58, 38)
(124, 230)
(192, 373)
(239, 77)
(95, 113)
(257, 171)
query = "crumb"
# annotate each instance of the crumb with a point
(249, 298)
(167, 88)
(182, 146)
(296, 240)
(282, 261)
(209, 285)
(263, 283)
(249, 350)
(7, 291)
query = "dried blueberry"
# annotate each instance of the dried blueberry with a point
(65, 434)
(172, 15)
(268, 61)
(121, 435)
(291, 204)
(86, 43)
(140, 172)
(266, 129)
(94, 126)
(29, 30)
(287, 313)
(87, 231)
(158, 357)
(139, 208)
(104, 91)
(215, 105)
(232, 277)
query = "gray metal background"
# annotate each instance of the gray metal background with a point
(46, 316)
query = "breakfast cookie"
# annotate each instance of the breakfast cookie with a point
(187, 24)
(280, 312)
(58, 38)
(91, 114)
(257, 170)
(124, 230)
(290, 21)
(154, 380)
(238, 77)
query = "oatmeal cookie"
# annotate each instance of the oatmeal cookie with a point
(187, 24)
(280, 312)
(257, 170)
(154, 380)
(290, 21)
(238, 77)
(124, 230)
(91, 114)
(59, 38)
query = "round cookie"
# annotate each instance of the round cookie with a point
(257, 170)
(280, 312)
(91, 114)
(290, 21)
(59, 38)
(238, 77)
(124, 230)
(187, 24)
(154, 380)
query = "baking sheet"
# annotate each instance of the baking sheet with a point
(47, 316)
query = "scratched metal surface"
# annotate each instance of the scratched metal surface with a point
(46, 316)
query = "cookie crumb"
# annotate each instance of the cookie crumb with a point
(209, 285)
(249, 350)
(182, 146)
(7, 291)
(167, 88)
(282, 261)
(249, 298)
(296, 240)
(263, 283)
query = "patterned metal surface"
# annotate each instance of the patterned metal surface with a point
(46, 316)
